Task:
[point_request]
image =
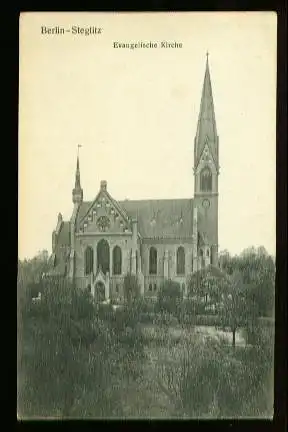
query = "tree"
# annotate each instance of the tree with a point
(256, 290)
(170, 297)
(205, 288)
(258, 271)
(31, 271)
(131, 288)
(125, 325)
(234, 310)
(64, 353)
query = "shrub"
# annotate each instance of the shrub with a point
(204, 380)
(147, 306)
(105, 312)
(147, 317)
(131, 288)
(169, 298)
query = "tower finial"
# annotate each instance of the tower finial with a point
(207, 59)
(77, 191)
(79, 145)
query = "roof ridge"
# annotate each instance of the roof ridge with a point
(157, 199)
(142, 199)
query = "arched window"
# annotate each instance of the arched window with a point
(180, 260)
(150, 287)
(153, 261)
(88, 260)
(89, 288)
(103, 256)
(155, 287)
(206, 180)
(117, 260)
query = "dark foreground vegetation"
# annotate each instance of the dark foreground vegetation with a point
(77, 358)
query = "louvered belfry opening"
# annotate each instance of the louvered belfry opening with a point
(206, 180)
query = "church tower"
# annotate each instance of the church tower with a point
(206, 171)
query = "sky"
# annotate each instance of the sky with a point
(135, 114)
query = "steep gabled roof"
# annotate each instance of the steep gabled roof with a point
(167, 218)
(58, 260)
(64, 234)
(83, 210)
(86, 207)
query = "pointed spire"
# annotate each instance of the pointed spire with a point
(77, 176)
(206, 127)
(77, 191)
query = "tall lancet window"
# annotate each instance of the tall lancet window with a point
(180, 261)
(153, 261)
(88, 260)
(206, 180)
(117, 260)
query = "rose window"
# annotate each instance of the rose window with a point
(103, 223)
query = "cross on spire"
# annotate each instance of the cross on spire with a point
(207, 55)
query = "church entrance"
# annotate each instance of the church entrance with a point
(99, 292)
(103, 256)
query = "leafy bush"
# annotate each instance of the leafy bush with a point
(170, 297)
(131, 288)
(147, 317)
(204, 380)
(146, 305)
(106, 312)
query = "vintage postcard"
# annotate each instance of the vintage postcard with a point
(146, 262)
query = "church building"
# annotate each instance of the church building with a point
(154, 239)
